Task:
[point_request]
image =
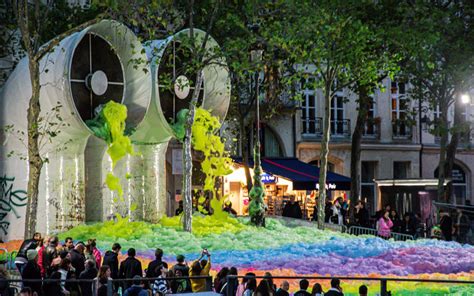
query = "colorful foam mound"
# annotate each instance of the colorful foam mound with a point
(286, 249)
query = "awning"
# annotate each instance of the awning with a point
(304, 176)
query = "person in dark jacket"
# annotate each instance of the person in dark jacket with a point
(181, 265)
(32, 271)
(49, 254)
(130, 267)
(336, 289)
(53, 288)
(408, 225)
(283, 290)
(397, 223)
(151, 271)
(29, 244)
(137, 288)
(446, 225)
(5, 289)
(361, 215)
(111, 260)
(77, 258)
(292, 209)
(89, 273)
(303, 291)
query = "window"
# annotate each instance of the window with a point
(399, 110)
(337, 115)
(371, 127)
(311, 124)
(367, 185)
(271, 145)
(401, 169)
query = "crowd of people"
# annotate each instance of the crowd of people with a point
(40, 259)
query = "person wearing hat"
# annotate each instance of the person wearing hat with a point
(28, 244)
(137, 288)
(32, 271)
(130, 267)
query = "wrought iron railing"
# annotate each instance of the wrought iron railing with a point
(341, 128)
(312, 127)
(402, 130)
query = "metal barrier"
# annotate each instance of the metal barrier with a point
(335, 227)
(358, 230)
(232, 281)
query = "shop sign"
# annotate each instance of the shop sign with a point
(329, 186)
(268, 178)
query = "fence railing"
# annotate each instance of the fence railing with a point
(335, 227)
(112, 284)
(232, 281)
(358, 230)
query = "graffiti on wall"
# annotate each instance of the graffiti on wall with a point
(10, 201)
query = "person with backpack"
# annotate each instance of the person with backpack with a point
(130, 267)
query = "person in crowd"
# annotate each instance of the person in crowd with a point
(31, 271)
(269, 277)
(361, 215)
(53, 287)
(250, 287)
(180, 285)
(463, 226)
(68, 244)
(336, 215)
(317, 290)
(344, 211)
(26, 291)
(5, 289)
(103, 278)
(180, 208)
(111, 260)
(292, 209)
(328, 211)
(130, 267)
(64, 269)
(152, 270)
(50, 253)
(93, 253)
(241, 287)
(303, 291)
(160, 286)
(446, 225)
(77, 258)
(40, 256)
(397, 223)
(283, 290)
(408, 225)
(336, 289)
(384, 225)
(28, 244)
(137, 288)
(225, 283)
(89, 273)
(228, 208)
(181, 265)
(363, 290)
(199, 285)
(219, 280)
(263, 289)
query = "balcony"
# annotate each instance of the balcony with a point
(341, 128)
(401, 130)
(371, 129)
(312, 127)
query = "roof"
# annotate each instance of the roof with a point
(304, 176)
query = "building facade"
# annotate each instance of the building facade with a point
(395, 143)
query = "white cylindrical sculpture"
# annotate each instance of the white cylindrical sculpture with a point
(146, 185)
(85, 70)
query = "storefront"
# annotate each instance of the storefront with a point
(282, 178)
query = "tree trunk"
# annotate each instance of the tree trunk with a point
(245, 154)
(444, 131)
(34, 159)
(356, 143)
(324, 155)
(453, 146)
(188, 159)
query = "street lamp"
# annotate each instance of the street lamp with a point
(465, 98)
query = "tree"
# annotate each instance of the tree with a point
(441, 68)
(329, 45)
(30, 21)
